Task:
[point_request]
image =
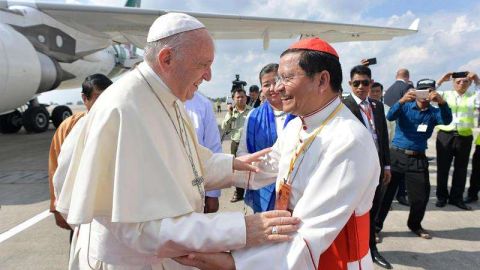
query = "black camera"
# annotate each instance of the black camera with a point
(237, 83)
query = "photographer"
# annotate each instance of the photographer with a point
(455, 140)
(233, 125)
(416, 119)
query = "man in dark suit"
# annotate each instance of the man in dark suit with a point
(253, 99)
(372, 115)
(401, 86)
(393, 94)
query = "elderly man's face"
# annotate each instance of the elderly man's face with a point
(461, 84)
(192, 65)
(297, 90)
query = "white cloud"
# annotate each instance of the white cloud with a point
(446, 41)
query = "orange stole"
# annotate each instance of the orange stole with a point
(351, 244)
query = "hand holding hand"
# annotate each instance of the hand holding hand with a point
(271, 226)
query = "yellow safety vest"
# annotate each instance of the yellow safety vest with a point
(477, 141)
(462, 111)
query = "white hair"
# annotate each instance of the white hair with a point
(174, 42)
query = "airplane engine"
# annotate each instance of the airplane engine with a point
(24, 72)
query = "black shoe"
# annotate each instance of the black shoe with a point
(236, 198)
(422, 233)
(403, 200)
(380, 260)
(441, 203)
(470, 199)
(461, 205)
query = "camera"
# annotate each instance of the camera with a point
(462, 74)
(237, 83)
(372, 61)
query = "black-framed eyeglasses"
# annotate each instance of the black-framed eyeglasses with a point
(357, 83)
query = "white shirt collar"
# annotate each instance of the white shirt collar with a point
(358, 100)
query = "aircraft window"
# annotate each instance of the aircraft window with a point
(41, 38)
(59, 41)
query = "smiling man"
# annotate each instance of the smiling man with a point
(370, 112)
(326, 170)
(135, 185)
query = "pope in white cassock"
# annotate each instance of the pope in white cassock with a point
(135, 184)
(326, 170)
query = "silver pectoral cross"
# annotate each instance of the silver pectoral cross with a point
(198, 181)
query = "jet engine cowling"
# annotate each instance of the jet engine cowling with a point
(24, 72)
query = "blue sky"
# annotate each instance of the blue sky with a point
(448, 40)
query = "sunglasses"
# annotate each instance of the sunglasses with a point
(363, 82)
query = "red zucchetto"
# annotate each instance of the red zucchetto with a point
(314, 44)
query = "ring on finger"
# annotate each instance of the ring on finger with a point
(274, 230)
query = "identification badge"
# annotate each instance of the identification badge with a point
(283, 197)
(422, 128)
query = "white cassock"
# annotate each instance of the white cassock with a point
(336, 179)
(129, 184)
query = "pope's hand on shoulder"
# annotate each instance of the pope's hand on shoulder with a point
(271, 226)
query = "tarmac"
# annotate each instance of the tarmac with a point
(29, 238)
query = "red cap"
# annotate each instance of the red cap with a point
(314, 44)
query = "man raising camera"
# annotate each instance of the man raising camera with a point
(416, 119)
(455, 140)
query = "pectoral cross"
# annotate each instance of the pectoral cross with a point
(198, 181)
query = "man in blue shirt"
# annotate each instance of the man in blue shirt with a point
(416, 119)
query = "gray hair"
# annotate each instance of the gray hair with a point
(174, 42)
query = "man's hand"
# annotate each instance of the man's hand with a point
(244, 163)
(260, 227)
(473, 77)
(409, 96)
(211, 205)
(364, 62)
(229, 108)
(444, 78)
(60, 221)
(208, 261)
(436, 97)
(387, 175)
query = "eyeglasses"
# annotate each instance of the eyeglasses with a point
(362, 82)
(286, 80)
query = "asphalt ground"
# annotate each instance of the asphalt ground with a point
(42, 245)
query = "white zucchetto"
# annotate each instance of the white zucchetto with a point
(171, 24)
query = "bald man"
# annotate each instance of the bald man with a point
(398, 88)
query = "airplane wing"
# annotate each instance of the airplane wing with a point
(130, 25)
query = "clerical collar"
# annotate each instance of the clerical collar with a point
(314, 119)
(158, 85)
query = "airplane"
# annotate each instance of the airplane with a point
(47, 46)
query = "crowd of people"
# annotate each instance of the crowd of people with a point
(136, 176)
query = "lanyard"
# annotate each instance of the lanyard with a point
(369, 115)
(308, 142)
